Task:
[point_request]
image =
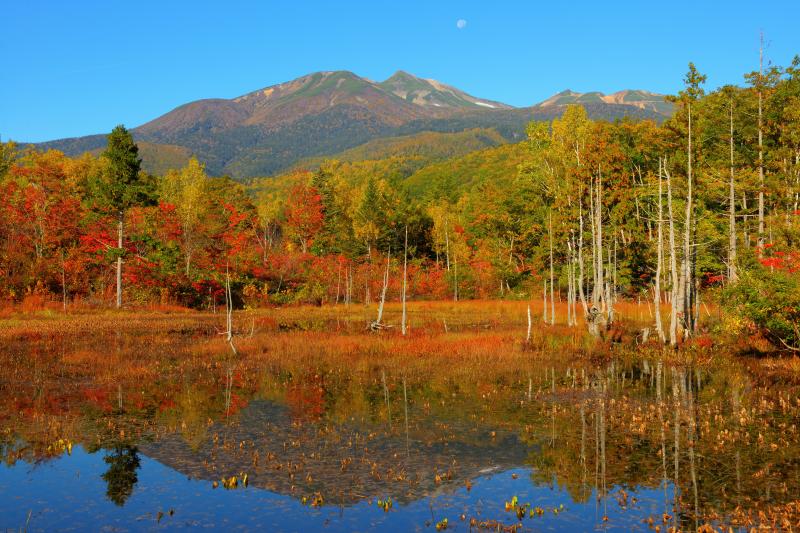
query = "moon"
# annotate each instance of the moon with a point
(461, 24)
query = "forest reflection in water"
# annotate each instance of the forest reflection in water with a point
(561, 443)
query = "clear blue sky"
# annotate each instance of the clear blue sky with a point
(77, 67)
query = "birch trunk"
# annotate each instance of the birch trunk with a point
(761, 143)
(528, 336)
(383, 291)
(455, 278)
(405, 278)
(593, 219)
(570, 285)
(732, 274)
(229, 311)
(673, 263)
(657, 288)
(552, 300)
(688, 278)
(447, 245)
(599, 225)
(119, 259)
(580, 262)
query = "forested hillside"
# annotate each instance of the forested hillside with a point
(321, 114)
(589, 211)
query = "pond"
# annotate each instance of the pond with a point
(159, 427)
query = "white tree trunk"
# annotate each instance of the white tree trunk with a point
(687, 276)
(552, 283)
(732, 274)
(580, 262)
(761, 240)
(119, 259)
(405, 281)
(673, 264)
(378, 322)
(657, 288)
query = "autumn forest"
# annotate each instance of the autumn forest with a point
(434, 311)
(584, 211)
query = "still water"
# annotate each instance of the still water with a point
(620, 444)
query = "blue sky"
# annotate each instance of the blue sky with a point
(76, 67)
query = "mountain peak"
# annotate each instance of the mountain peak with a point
(430, 93)
(646, 100)
(326, 112)
(401, 75)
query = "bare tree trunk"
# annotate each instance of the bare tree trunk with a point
(580, 262)
(570, 285)
(405, 280)
(599, 225)
(609, 285)
(378, 321)
(761, 143)
(528, 336)
(447, 245)
(552, 300)
(455, 277)
(229, 311)
(688, 271)
(657, 288)
(596, 318)
(673, 264)
(119, 259)
(593, 219)
(732, 274)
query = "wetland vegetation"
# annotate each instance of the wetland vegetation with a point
(592, 326)
(145, 420)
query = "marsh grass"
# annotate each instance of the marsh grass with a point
(101, 379)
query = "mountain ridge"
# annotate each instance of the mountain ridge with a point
(640, 98)
(270, 129)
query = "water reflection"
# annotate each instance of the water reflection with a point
(614, 445)
(123, 462)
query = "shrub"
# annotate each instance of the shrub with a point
(771, 302)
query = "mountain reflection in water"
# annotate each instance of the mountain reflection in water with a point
(566, 445)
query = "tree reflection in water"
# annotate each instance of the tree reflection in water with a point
(121, 477)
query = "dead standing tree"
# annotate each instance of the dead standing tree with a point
(405, 281)
(378, 324)
(660, 259)
(599, 317)
(673, 263)
(229, 312)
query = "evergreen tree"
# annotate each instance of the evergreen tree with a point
(121, 187)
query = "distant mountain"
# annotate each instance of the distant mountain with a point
(425, 146)
(431, 93)
(642, 99)
(269, 130)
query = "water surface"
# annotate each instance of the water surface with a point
(98, 436)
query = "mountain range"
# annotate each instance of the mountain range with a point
(642, 99)
(324, 113)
